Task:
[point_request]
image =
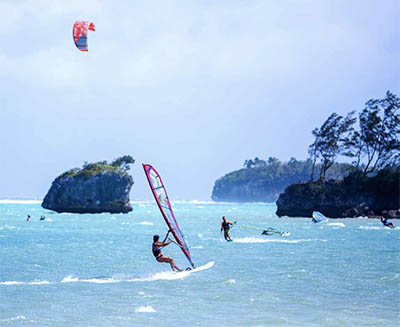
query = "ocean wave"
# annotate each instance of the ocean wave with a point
(377, 228)
(20, 317)
(371, 227)
(147, 308)
(166, 275)
(12, 282)
(70, 279)
(270, 240)
(8, 227)
(337, 224)
(96, 280)
(148, 223)
(10, 201)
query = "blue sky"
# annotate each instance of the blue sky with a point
(192, 87)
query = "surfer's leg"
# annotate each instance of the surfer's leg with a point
(175, 266)
(166, 260)
(170, 261)
(226, 234)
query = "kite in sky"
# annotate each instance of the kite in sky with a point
(79, 33)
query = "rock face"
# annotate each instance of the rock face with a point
(374, 196)
(104, 192)
(265, 183)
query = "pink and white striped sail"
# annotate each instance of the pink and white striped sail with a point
(161, 197)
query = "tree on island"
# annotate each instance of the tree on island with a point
(123, 162)
(119, 165)
(254, 163)
(331, 139)
(379, 133)
(377, 139)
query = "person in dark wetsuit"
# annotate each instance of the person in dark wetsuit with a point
(156, 248)
(386, 223)
(225, 226)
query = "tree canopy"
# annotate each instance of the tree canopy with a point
(119, 165)
(374, 145)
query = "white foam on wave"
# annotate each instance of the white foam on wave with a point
(100, 280)
(231, 281)
(20, 317)
(70, 279)
(197, 247)
(96, 280)
(8, 227)
(9, 201)
(271, 240)
(166, 275)
(147, 308)
(12, 282)
(40, 282)
(148, 223)
(171, 275)
(337, 224)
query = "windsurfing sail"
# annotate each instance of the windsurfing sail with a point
(319, 217)
(161, 197)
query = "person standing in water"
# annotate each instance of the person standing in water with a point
(226, 226)
(156, 248)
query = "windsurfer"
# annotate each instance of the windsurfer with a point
(156, 247)
(226, 226)
(386, 223)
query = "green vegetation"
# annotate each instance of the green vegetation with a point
(374, 148)
(119, 166)
(375, 145)
(264, 180)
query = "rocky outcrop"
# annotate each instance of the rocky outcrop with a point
(81, 193)
(265, 183)
(351, 197)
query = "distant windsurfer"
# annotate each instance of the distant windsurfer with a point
(386, 223)
(28, 218)
(156, 247)
(226, 226)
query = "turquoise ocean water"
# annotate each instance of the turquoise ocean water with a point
(98, 270)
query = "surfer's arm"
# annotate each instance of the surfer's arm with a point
(166, 243)
(166, 236)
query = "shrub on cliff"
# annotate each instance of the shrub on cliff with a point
(119, 166)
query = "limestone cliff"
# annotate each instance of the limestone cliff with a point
(96, 188)
(351, 197)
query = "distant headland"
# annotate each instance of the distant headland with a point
(94, 188)
(263, 181)
(369, 186)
